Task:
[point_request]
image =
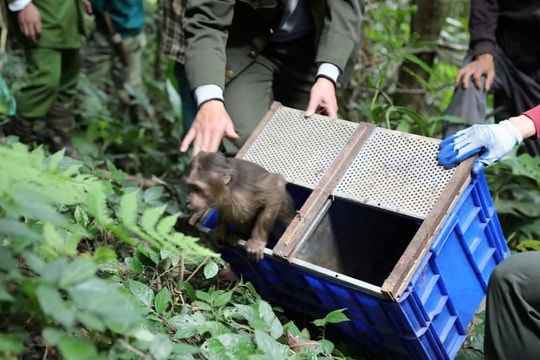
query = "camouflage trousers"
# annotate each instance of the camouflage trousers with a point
(101, 65)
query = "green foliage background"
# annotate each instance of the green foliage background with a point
(95, 262)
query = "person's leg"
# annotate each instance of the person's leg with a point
(36, 95)
(247, 99)
(128, 80)
(60, 118)
(189, 107)
(512, 329)
(97, 58)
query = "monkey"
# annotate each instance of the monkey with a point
(247, 197)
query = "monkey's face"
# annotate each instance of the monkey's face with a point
(197, 198)
(206, 178)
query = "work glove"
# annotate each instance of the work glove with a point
(492, 141)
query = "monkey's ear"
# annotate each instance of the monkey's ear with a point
(226, 176)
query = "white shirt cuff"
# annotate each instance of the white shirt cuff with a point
(18, 5)
(330, 71)
(208, 92)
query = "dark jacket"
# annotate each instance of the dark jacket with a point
(224, 37)
(513, 25)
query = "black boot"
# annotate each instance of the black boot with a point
(29, 131)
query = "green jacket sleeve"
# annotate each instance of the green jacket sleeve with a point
(206, 24)
(340, 33)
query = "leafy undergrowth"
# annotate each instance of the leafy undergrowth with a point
(93, 267)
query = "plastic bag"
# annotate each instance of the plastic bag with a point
(7, 101)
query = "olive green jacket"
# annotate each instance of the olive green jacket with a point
(218, 48)
(62, 23)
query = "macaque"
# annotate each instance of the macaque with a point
(246, 196)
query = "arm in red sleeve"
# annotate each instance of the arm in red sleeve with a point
(534, 115)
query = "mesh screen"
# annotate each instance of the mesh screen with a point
(299, 148)
(396, 171)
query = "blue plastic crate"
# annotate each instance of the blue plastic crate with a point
(430, 318)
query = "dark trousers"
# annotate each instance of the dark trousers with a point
(189, 106)
(515, 92)
(283, 72)
(512, 329)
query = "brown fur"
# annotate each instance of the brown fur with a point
(246, 196)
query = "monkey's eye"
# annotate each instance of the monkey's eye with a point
(195, 188)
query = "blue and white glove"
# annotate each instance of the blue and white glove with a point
(492, 141)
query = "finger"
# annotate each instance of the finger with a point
(311, 108)
(188, 139)
(37, 30)
(489, 80)
(333, 111)
(477, 79)
(230, 133)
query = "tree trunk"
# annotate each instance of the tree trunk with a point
(426, 25)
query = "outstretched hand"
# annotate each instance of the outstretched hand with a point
(210, 125)
(491, 141)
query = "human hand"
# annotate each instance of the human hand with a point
(322, 98)
(209, 127)
(30, 22)
(492, 141)
(482, 65)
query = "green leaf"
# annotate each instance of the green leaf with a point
(166, 225)
(150, 217)
(52, 304)
(52, 335)
(90, 321)
(270, 347)
(240, 345)
(162, 300)
(211, 269)
(142, 292)
(185, 325)
(10, 344)
(185, 349)
(335, 316)
(128, 208)
(77, 271)
(77, 349)
(104, 254)
(222, 299)
(4, 295)
(153, 194)
(161, 347)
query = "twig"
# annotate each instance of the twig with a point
(198, 268)
(134, 350)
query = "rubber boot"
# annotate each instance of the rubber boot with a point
(28, 131)
(60, 122)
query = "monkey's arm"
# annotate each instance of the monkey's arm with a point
(266, 218)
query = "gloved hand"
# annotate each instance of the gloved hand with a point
(492, 141)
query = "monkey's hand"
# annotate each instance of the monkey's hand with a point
(255, 249)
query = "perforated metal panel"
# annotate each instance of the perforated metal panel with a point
(299, 148)
(396, 171)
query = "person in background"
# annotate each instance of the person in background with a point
(503, 59)
(174, 47)
(51, 33)
(243, 55)
(114, 51)
(512, 328)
